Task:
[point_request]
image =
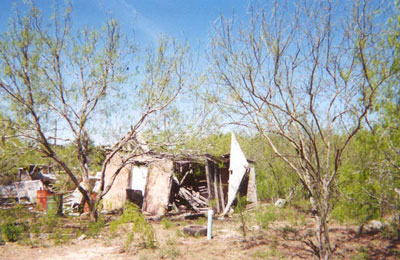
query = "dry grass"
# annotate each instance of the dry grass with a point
(282, 239)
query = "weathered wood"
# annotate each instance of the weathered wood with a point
(115, 199)
(188, 199)
(221, 190)
(216, 190)
(252, 189)
(210, 182)
(184, 177)
(198, 200)
(158, 187)
(192, 197)
(195, 194)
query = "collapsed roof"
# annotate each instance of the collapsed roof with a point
(160, 183)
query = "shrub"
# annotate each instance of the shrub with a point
(240, 208)
(12, 232)
(288, 231)
(10, 223)
(167, 224)
(169, 250)
(264, 217)
(391, 231)
(19, 224)
(94, 228)
(140, 226)
(49, 222)
(201, 221)
(362, 254)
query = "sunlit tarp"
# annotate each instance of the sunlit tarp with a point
(238, 166)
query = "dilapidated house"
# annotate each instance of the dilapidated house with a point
(159, 183)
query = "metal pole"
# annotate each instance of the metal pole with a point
(210, 221)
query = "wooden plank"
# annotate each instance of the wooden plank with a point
(210, 182)
(221, 190)
(252, 188)
(183, 194)
(216, 189)
(192, 196)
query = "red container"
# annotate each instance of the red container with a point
(41, 198)
(86, 208)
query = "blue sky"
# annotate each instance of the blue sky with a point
(189, 20)
(185, 19)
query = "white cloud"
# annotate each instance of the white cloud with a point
(137, 20)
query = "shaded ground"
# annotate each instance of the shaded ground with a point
(281, 240)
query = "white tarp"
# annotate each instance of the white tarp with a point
(238, 166)
(139, 178)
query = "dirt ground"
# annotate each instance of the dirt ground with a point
(282, 240)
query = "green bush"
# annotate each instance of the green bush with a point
(12, 232)
(1, 235)
(62, 235)
(267, 215)
(169, 250)
(140, 226)
(353, 211)
(288, 231)
(167, 224)
(240, 209)
(391, 231)
(362, 254)
(11, 223)
(49, 222)
(24, 226)
(201, 221)
(94, 228)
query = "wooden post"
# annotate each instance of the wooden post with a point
(252, 188)
(220, 207)
(210, 183)
(221, 190)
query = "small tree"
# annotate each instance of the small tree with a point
(307, 74)
(50, 74)
(14, 152)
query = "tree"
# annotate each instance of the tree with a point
(388, 109)
(385, 125)
(7, 151)
(308, 74)
(51, 74)
(14, 152)
(370, 171)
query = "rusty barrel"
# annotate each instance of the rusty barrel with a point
(86, 208)
(41, 199)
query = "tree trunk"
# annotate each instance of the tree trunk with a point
(93, 216)
(320, 211)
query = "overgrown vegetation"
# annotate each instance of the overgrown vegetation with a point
(138, 229)
(314, 88)
(240, 209)
(27, 227)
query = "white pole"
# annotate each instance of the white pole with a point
(210, 221)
